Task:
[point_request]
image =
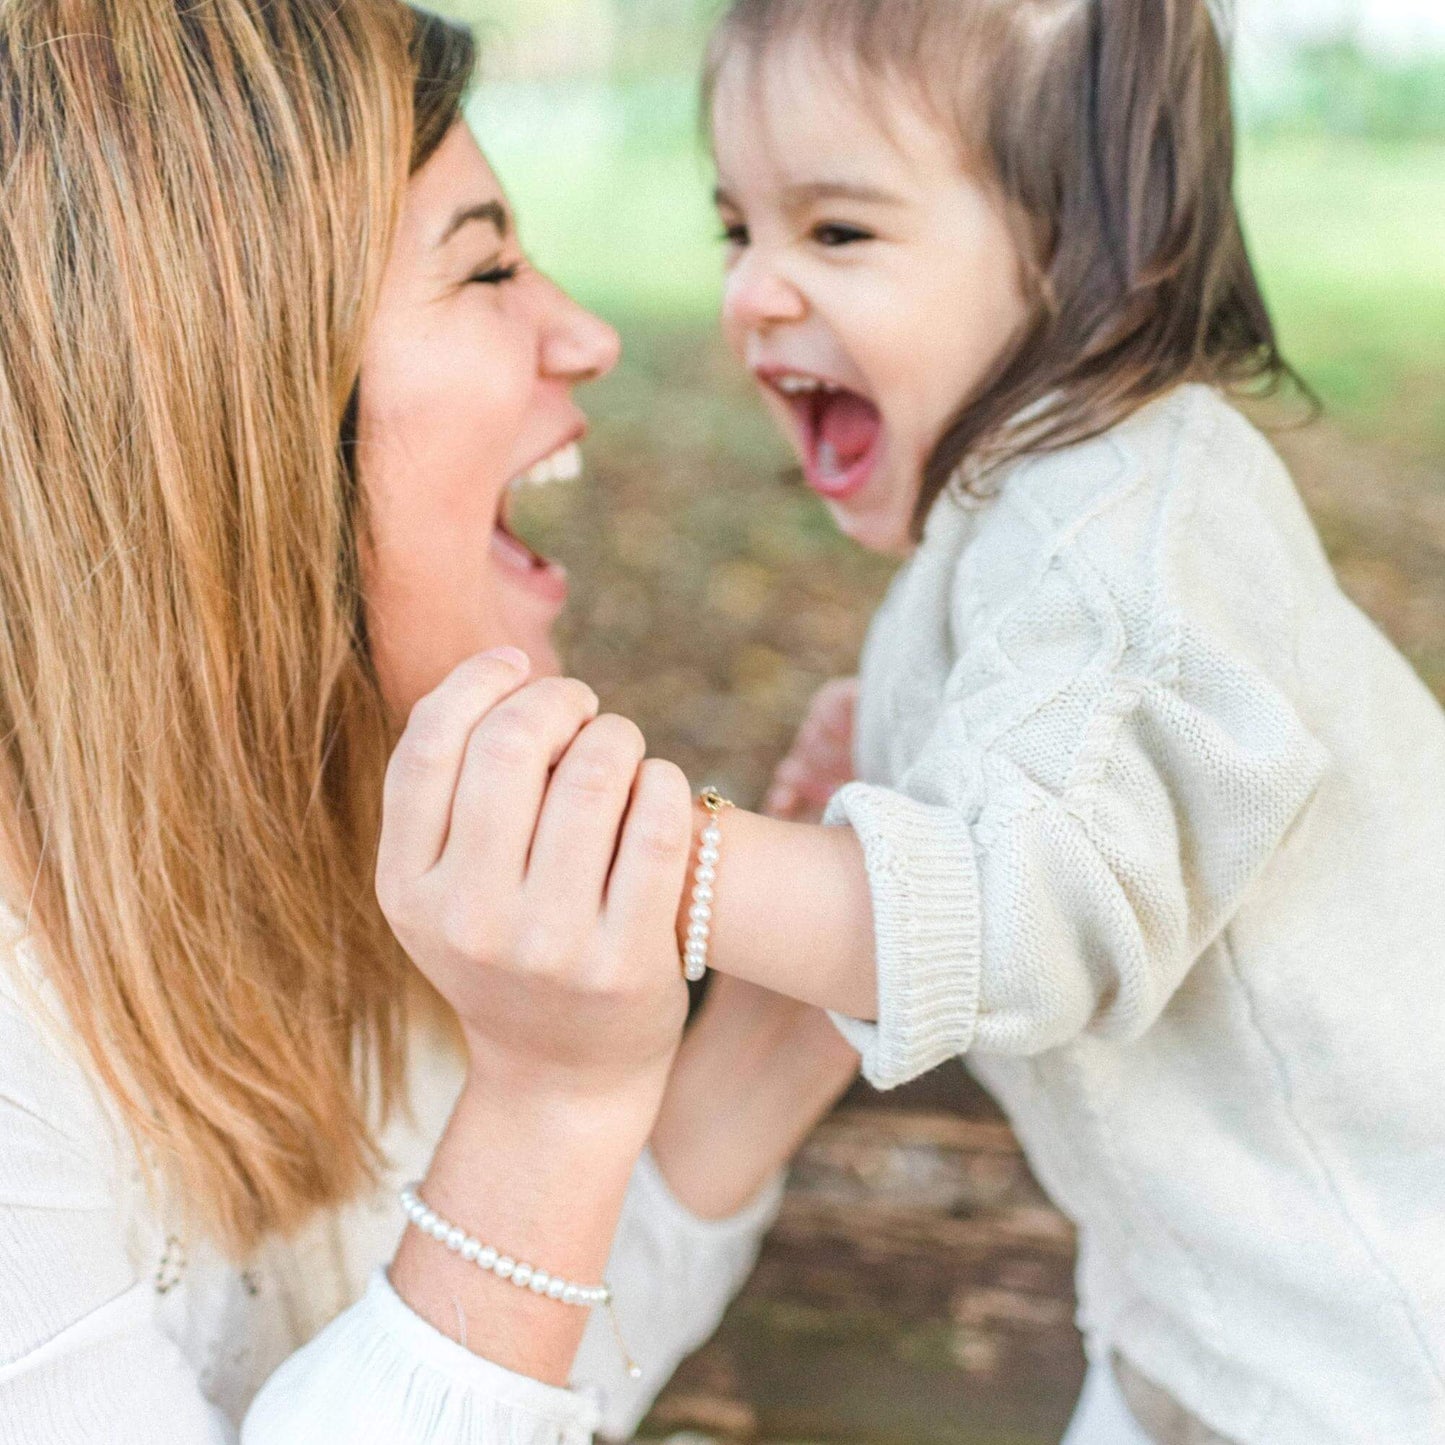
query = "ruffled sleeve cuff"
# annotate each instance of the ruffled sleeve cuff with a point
(379, 1374)
(923, 880)
(673, 1275)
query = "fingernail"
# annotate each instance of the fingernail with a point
(512, 656)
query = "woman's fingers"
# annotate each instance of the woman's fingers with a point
(577, 832)
(421, 777)
(504, 779)
(650, 870)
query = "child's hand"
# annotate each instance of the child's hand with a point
(821, 760)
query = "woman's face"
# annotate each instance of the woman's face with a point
(466, 391)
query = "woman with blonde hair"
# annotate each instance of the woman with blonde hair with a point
(271, 360)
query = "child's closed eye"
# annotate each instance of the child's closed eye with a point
(834, 234)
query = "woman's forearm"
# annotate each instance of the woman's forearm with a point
(792, 911)
(543, 1183)
(755, 1073)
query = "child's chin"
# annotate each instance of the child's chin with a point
(874, 530)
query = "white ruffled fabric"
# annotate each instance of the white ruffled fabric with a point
(116, 1328)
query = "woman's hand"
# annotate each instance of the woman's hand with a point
(821, 759)
(530, 864)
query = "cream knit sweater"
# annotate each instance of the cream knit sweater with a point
(116, 1330)
(1155, 826)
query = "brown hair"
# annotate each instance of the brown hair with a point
(199, 200)
(1105, 129)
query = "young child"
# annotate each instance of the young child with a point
(1151, 820)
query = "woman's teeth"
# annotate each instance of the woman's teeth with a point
(564, 465)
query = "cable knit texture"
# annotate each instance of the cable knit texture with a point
(1154, 822)
(116, 1328)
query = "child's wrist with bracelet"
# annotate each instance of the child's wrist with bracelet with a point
(696, 922)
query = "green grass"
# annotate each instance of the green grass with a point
(612, 188)
(1348, 241)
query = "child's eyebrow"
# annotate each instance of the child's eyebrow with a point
(809, 193)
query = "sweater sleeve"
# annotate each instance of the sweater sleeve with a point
(1083, 819)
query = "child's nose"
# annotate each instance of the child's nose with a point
(758, 296)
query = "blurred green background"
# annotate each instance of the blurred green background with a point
(916, 1290)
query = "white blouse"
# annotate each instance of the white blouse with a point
(115, 1327)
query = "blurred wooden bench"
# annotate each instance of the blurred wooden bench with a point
(917, 1290)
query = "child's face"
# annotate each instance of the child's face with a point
(871, 282)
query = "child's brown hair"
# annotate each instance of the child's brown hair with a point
(1105, 129)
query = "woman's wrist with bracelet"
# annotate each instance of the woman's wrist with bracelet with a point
(546, 1189)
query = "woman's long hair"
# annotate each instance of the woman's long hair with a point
(197, 204)
(1104, 130)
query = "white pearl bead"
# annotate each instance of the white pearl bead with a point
(699, 912)
(504, 1266)
(471, 1249)
(440, 1230)
(556, 1289)
(708, 857)
(707, 874)
(699, 931)
(425, 1221)
(455, 1239)
(488, 1257)
(522, 1275)
(540, 1280)
(711, 838)
(703, 893)
(571, 1294)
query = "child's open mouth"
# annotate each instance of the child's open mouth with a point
(841, 432)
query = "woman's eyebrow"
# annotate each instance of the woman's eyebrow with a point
(494, 213)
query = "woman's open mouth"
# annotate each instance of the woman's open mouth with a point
(841, 432)
(540, 575)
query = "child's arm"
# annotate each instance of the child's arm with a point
(755, 1073)
(792, 912)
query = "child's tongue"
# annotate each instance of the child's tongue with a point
(846, 429)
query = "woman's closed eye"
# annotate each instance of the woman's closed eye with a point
(495, 274)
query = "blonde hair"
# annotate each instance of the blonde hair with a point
(198, 201)
(1105, 129)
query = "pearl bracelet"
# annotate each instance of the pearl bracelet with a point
(699, 914)
(524, 1276)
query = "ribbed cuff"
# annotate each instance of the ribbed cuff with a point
(923, 879)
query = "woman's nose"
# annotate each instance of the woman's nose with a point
(757, 296)
(576, 345)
